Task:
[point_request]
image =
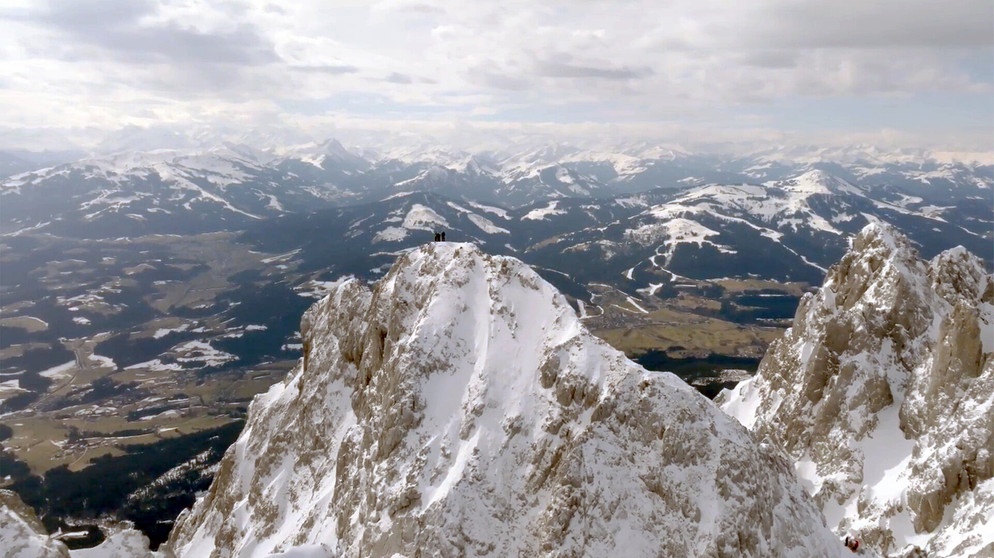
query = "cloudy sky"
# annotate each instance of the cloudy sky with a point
(902, 72)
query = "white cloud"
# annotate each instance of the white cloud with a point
(703, 65)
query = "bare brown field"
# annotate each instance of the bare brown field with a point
(675, 326)
(16, 307)
(743, 285)
(15, 351)
(691, 339)
(43, 441)
(224, 257)
(27, 323)
(164, 401)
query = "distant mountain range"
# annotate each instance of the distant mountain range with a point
(224, 187)
(639, 220)
(113, 297)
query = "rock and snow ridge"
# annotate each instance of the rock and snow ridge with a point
(459, 408)
(22, 535)
(882, 393)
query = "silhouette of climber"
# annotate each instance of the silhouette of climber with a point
(443, 236)
(438, 237)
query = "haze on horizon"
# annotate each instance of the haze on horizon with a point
(893, 73)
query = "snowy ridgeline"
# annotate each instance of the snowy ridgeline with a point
(459, 408)
(882, 392)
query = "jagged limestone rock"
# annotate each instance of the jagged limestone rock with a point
(459, 408)
(882, 392)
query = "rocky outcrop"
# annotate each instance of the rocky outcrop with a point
(882, 393)
(21, 533)
(459, 408)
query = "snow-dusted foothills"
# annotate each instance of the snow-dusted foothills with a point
(882, 393)
(224, 187)
(459, 408)
(784, 230)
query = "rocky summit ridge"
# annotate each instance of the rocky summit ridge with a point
(458, 407)
(882, 393)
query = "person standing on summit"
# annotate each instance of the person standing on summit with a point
(443, 236)
(438, 237)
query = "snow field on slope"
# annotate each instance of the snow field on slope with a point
(476, 386)
(490, 209)
(461, 323)
(486, 225)
(543, 212)
(673, 233)
(421, 217)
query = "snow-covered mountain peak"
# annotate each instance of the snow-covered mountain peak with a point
(812, 202)
(422, 153)
(435, 177)
(664, 152)
(529, 161)
(957, 275)
(878, 243)
(459, 408)
(882, 392)
(222, 163)
(481, 165)
(973, 158)
(850, 154)
(816, 181)
(328, 154)
(334, 147)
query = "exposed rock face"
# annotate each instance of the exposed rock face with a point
(21, 533)
(883, 394)
(459, 408)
